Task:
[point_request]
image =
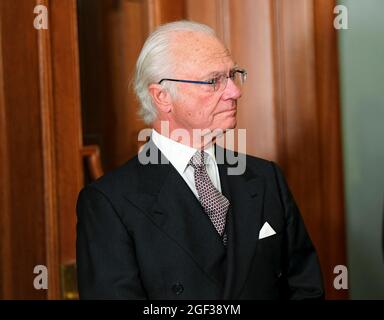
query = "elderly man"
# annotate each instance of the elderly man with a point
(182, 227)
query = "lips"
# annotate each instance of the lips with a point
(231, 108)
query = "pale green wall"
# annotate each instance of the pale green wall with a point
(361, 58)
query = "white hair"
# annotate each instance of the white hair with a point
(155, 63)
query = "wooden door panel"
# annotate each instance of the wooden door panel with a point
(42, 139)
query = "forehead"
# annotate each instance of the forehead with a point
(199, 54)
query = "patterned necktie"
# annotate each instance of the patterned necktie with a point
(214, 203)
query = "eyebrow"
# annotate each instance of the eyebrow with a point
(213, 73)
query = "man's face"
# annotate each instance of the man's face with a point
(201, 57)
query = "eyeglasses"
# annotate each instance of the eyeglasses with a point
(219, 82)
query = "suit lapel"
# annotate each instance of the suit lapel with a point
(243, 223)
(167, 201)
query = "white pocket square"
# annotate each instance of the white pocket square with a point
(266, 231)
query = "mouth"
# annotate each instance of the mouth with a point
(233, 107)
(232, 111)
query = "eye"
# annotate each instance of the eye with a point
(232, 74)
(213, 81)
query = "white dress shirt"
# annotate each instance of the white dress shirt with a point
(179, 156)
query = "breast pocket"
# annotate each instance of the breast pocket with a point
(271, 249)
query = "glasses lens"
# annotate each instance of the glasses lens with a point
(241, 76)
(237, 76)
(221, 82)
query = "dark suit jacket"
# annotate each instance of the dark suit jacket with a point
(142, 234)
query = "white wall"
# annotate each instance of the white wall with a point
(362, 91)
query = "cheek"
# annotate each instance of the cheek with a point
(199, 111)
(211, 108)
(190, 113)
(208, 104)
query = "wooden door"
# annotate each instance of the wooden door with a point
(42, 147)
(41, 167)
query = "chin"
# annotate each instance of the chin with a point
(231, 124)
(225, 125)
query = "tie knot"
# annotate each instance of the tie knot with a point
(199, 159)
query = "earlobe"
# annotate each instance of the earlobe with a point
(160, 97)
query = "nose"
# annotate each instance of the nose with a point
(232, 91)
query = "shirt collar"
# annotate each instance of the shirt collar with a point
(177, 153)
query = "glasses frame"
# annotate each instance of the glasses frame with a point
(211, 82)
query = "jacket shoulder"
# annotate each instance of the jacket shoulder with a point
(269, 170)
(259, 165)
(122, 179)
(253, 165)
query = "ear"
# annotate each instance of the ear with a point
(161, 97)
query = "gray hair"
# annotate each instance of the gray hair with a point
(154, 63)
